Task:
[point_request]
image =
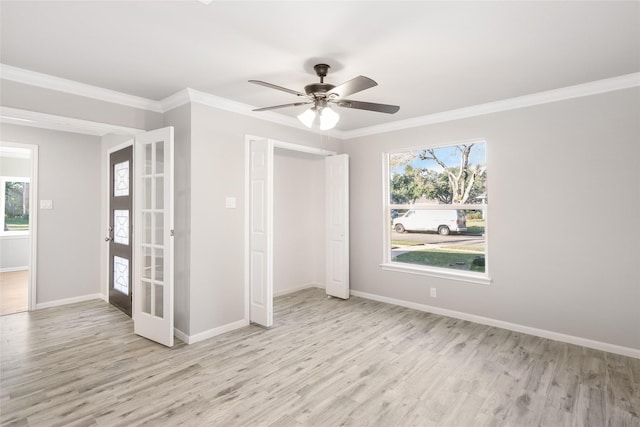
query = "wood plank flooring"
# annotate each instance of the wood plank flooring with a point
(326, 362)
(14, 292)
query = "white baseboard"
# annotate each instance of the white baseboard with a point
(191, 339)
(298, 288)
(10, 269)
(570, 339)
(66, 301)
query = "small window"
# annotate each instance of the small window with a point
(436, 210)
(15, 205)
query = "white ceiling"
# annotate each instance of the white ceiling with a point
(427, 57)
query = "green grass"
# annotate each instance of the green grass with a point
(17, 224)
(404, 243)
(439, 258)
(475, 226)
(464, 248)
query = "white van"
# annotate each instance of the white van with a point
(442, 221)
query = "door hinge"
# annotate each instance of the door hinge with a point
(171, 233)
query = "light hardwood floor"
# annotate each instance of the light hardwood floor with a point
(14, 292)
(326, 362)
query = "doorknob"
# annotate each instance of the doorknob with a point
(107, 239)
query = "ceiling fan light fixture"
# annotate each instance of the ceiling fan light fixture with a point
(307, 117)
(328, 118)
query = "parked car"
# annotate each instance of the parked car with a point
(441, 221)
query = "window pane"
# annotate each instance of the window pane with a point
(146, 262)
(159, 229)
(148, 162)
(434, 176)
(121, 179)
(159, 157)
(146, 297)
(159, 265)
(16, 206)
(439, 238)
(159, 193)
(431, 191)
(121, 275)
(121, 227)
(159, 308)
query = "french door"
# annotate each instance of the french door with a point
(141, 233)
(153, 247)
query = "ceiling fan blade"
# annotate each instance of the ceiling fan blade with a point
(294, 104)
(381, 108)
(352, 86)
(272, 86)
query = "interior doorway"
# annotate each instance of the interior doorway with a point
(18, 179)
(259, 219)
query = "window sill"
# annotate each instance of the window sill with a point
(479, 278)
(14, 235)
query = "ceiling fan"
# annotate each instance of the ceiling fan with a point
(322, 94)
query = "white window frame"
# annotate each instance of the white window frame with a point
(443, 273)
(3, 182)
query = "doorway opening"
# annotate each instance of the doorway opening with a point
(260, 163)
(18, 179)
(298, 221)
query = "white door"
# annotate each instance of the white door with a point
(261, 232)
(337, 226)
(153, 236)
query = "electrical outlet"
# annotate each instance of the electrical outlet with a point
(433, 292)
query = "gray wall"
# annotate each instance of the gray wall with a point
(217, 238)
(68, 259)
(298, 220)
(564, 192)
(180, 119)
(14, 253)
(32, 98)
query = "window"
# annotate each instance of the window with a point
(15, 205)
(436, 206)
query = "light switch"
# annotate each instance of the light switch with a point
(46, 204)
(230, 203)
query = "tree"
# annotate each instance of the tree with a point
(407, 187)
(461, 178)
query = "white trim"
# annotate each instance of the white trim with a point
(570, 339)
(66, 301)
(21, 75)
(11, 269)
(192, 339)
(303, 148)
(298, 288)
(247, 226)
(461, 276)
(191, 95)
(569, 92)
(60, 123)
(187, 95)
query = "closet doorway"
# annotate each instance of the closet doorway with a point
(309, 194)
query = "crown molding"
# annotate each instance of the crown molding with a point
(188, 95)
(47, 81)
(61, 123)
(191, 95)
(586, 89)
